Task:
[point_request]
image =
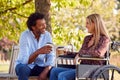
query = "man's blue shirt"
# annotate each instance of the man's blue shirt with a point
(28, 45)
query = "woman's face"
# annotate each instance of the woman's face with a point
(90, 26)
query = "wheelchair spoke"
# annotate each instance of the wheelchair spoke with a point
(112, 76)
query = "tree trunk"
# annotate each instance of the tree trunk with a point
(43, 6)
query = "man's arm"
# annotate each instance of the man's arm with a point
(50, 61)
(43, 50)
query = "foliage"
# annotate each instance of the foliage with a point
(13, 17)
(67, 19)
(67, 28)
(74, 18)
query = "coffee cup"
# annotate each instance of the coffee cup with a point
(49, 44)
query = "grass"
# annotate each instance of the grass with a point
(4, 68)
(115, 58)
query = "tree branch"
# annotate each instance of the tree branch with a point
(14, 8)
(19, 14)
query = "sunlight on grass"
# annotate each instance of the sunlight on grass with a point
(116, 76)
(4, 68)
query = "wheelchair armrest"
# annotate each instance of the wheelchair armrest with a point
(89, 57)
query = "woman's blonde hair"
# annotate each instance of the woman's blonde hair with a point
(100, 28)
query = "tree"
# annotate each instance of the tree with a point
(43, 6)
(13, 15)
(67, 18)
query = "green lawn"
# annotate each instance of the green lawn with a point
(4, 68)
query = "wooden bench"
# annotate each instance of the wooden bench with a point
(11, 75)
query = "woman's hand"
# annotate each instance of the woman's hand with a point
(67, 52)
(76, 57)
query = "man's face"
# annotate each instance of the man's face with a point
(40, 26)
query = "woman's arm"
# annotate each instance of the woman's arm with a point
(99, 50)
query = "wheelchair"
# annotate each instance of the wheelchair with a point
(93, 72)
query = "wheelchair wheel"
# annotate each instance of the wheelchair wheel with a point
(107, 72)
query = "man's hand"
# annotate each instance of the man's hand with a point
(45, 49)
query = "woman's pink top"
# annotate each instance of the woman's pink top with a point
(99, 50)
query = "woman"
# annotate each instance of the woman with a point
(95, 44)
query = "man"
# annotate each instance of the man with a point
(35, 57)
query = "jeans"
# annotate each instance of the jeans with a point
(62, 74)
(23, 71)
